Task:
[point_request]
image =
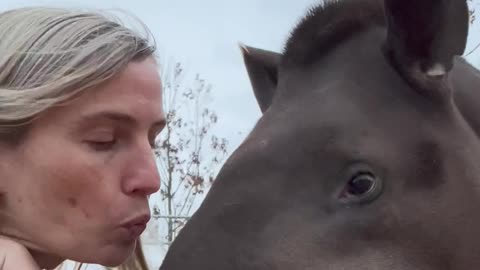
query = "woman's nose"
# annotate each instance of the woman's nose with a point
(144, 178)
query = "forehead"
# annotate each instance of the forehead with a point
(136, 91)
(351, 96)
(354, 77)
(138, 84)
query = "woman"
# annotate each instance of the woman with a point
(80, 107)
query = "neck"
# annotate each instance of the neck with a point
(46, 261)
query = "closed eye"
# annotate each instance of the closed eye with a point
(102, 145)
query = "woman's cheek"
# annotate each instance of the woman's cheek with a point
(75, 190)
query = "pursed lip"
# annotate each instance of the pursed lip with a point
(140, 220)
(134, 227)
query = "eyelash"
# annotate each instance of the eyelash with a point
(102, 145)
(108, 145)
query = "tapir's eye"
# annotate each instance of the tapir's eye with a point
(362, 187)
(361, 184)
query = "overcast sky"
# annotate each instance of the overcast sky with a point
(204, 36)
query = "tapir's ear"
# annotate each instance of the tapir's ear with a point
(426, 33)
(262, 69)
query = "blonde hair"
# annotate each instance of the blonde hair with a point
(49, 55)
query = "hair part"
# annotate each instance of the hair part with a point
(50, 55)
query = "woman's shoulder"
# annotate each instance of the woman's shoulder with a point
(15, 256)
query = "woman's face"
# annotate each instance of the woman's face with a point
(78, 186)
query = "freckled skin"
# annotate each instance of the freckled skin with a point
(76, 196)
(72, 202)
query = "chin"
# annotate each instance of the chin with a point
(119, 256)
(113, 256)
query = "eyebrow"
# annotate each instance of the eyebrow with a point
(119, 117)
